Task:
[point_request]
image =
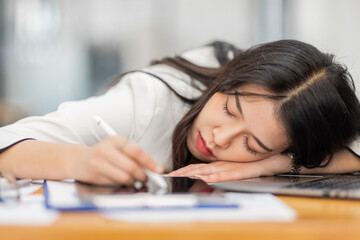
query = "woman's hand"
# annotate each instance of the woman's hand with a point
(226, 171)
(112, 162)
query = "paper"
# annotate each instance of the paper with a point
(252, 208)
(30, 210)
(62, 195)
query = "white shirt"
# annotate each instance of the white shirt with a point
(139, 107)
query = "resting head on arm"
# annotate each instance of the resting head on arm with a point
(280, 98)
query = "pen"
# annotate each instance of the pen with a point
(155, 178)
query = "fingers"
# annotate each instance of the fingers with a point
(189, 170)
(221, 171)
(111, 164)
(225, 176)
(119, 167)
(199, 169)
(134, 152)
(215, 177)
(109, 175)
(214, 172)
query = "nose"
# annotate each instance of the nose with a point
(224, 135)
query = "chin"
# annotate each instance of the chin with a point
(197, 155)
(202, 158)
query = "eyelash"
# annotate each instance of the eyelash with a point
(248, 149)
(226, 110)
(246, 144)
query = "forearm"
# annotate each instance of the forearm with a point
(343, 162)
(41, 160)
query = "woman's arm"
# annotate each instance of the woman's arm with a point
(128, 107)
(104, 163)
(40, 160)
(343, 162)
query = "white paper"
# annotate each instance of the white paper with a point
(63, 194)
(30, 210)
(252, 208)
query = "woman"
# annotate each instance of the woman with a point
(271, 109)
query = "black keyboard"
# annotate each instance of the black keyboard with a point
(338, 182)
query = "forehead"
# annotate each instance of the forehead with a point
(261, 119)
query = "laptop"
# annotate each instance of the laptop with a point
(345, 186)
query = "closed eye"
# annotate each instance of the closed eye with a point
(248, 149)
(226, 109)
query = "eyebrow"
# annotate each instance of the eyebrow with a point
(261, 144)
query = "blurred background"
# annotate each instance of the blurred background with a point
(57, 50)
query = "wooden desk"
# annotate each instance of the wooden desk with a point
(318, 219)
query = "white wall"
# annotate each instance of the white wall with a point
(46, 52)
(47, 48)
(331, 25)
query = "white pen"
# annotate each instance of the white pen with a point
(157, 179)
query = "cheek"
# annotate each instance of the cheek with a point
(213, 109)
(209, 118)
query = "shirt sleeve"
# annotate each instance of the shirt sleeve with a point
(127, 106)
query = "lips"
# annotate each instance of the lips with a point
(201, 144)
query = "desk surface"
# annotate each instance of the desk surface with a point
(318, 219)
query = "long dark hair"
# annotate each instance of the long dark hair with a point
(315, 97)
